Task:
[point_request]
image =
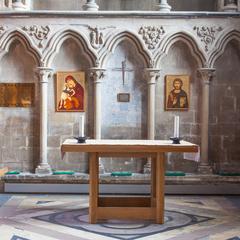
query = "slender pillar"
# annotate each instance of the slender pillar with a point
(97, 76)
(163, 6)
(152, 76)
(90, 5)
(44, 74)
(206, 75)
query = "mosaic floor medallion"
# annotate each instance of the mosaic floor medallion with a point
(129, 230)
(65, 217)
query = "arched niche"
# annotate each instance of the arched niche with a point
(224, 127)
(71, 57)
(179, 61)
(19, 128)
(124, 120)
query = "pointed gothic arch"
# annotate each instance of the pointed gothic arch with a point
(9, 37)
(189, 40)
(60, 37)
(114, 41)
(221, 45)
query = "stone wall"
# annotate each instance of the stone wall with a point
(124, 120)
(179, 61)
(62, 125)
(19, 127)
(225, 111)
(68, 46)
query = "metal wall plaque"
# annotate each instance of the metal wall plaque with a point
(17, 94)
(123, 97)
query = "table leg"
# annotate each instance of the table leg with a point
(153, 182)
(160, 182)
(93, 182)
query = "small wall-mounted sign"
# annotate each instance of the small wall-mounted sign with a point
(123, 97)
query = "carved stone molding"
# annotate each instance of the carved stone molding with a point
(96, 37)
(39, 33)
(206, 74)
(151, 35)
(2, 29)
(97, 74)
(207, 34)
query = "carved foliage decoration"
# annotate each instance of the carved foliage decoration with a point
(151, 35)
(39, 33)
(207, 34)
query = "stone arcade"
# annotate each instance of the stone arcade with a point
(34, 45)
(127, 51)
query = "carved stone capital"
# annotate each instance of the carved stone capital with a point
(206, 74)
(97, 74)
(152, 75)
(44, 74)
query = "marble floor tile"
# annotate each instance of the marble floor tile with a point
(65, 217)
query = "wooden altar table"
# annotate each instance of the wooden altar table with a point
(151, 207)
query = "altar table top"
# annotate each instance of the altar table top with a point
(113, 145)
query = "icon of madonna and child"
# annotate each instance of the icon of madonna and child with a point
(70, 91)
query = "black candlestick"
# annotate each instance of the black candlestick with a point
(81, 139)
(176, 140)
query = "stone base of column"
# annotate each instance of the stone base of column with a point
(101, 168)
(90, 7)
(163, 8)
(18, 6)
(147, 167)
(205, 169)
(230, 8)
(43, 169)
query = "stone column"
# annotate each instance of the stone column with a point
(44, 74)
(97, 75)
(90, 5)
(152, 75)
(163, 6)
(206, 75)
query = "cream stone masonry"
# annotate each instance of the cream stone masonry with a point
(163, 6)
(97, 75)
(206, 75)
(19, 5)
(229, 5)
(152, 75)
(44, 75)
(73, 28)
(90, 5)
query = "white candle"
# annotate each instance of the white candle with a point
(81, 126)
(176, 126)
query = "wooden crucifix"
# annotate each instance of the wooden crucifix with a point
(123, 69)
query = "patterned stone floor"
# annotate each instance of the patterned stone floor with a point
(65, 217)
